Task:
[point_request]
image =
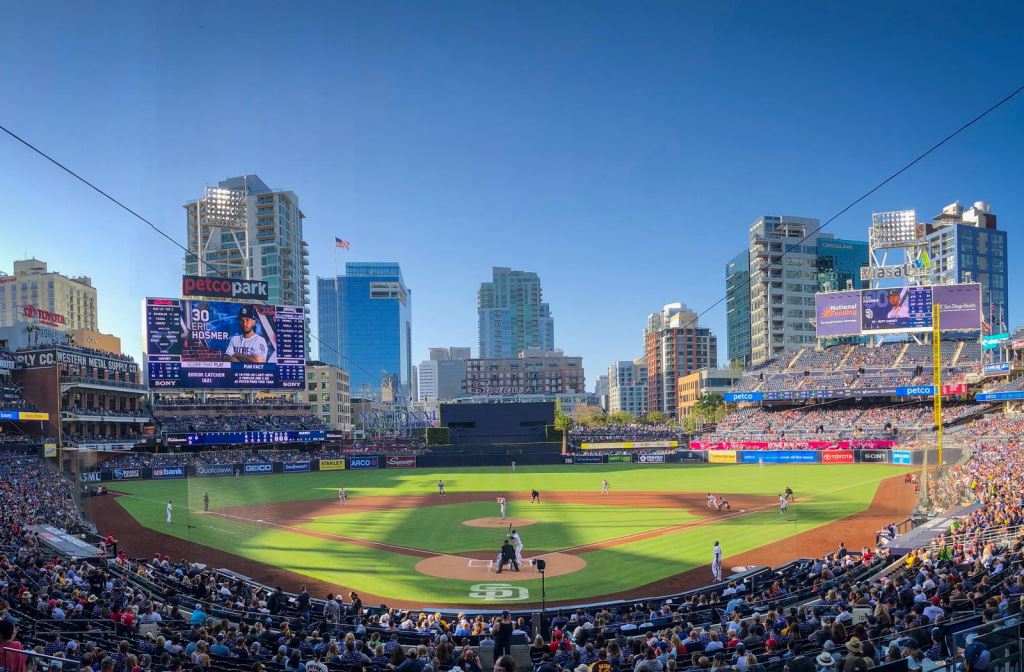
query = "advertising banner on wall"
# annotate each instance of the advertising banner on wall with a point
(364, 462)
(215, 469)
(644, 458)
(627, 445)
(778, 456)
(619, 457)
(588, 459)
(837, 314)
(332, 465)
(169, 472)
(874, 456)
(90, 476)
(741, 397)
(258, 468)
(295, 467)
(127, 474)
(901, 457)
(722, 456)
(837, 457)
(400, 462)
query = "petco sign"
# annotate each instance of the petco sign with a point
(222, 288)
(650, 459)
(739, 397)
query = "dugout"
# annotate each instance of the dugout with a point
(475, 424)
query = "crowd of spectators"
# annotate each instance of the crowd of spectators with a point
(237, 422)
(632, 431)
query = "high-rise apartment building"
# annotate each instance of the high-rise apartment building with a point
(964, 245)
(512, 315)
(244, 229)
(783, 256)
(627, 387)
(441, 376)
(675, 345)
(601, 391)
(34, 295)
(839, 263)
(365, 327)
(737, 303)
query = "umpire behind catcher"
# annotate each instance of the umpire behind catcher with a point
(508, 556)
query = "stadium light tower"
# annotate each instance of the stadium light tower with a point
(223, 211)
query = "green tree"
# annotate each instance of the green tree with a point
(563, 423)
(710, 408)
(621, 418)
(655, 418)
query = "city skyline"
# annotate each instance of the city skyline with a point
(603, 155)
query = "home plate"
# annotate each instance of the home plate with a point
(259, 520)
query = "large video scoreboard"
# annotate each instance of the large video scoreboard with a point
(223, 345)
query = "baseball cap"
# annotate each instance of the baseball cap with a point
(247, 311)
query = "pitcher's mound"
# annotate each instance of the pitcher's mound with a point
(470, 569)
(498, 522)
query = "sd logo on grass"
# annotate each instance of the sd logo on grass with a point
(491, 592)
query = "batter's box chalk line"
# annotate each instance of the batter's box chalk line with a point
(476, 564)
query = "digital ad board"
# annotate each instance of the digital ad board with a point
(896, 310)
(224, 345)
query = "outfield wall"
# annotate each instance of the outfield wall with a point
(363, 462)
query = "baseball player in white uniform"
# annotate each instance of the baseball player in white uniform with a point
(716, 562)
(170, 508)
(711, 501)
(783, 504)
(248, 346)
(501, 505)
(604, 487)
(517, 543)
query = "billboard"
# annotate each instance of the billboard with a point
(335, 464)
(739, 397)
(897, 310)
(214, 470)
(722, 456)
(619, 457)
(959, 306)
(837, 457)
(222, 345)
(197, 286)
(837, 314)
(901, 457)
(258, 468)
(650, 459)
(169, 472)
(363, 462)
(230, 438)
(294, 467)
(628, 445)
(400, 461)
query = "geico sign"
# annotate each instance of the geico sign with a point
(259, 468)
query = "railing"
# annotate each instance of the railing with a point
(103, 381)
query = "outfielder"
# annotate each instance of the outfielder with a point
(440, 488)
(170, 508)
(604, 487)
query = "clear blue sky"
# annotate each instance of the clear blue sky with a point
(620, 150)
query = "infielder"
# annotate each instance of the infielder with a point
(604, 487)
(170, 508)
(440, 488)
(711, 501)
(716, 562)
(782, 503)
(789, 494)
(517, 544)
(342, 496)
(513, 465)
(501, 505)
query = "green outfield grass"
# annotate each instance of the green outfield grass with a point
(833, 491)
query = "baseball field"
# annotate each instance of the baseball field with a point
(398, 542)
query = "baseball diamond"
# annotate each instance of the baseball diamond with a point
(397, 541)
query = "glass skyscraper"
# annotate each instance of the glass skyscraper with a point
(737, 302)
(366, 316)
(512, 316)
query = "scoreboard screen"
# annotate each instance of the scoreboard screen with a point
(232, 438)
(223, 345)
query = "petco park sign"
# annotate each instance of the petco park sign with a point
(224, 288)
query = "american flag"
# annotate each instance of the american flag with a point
(339, 243)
